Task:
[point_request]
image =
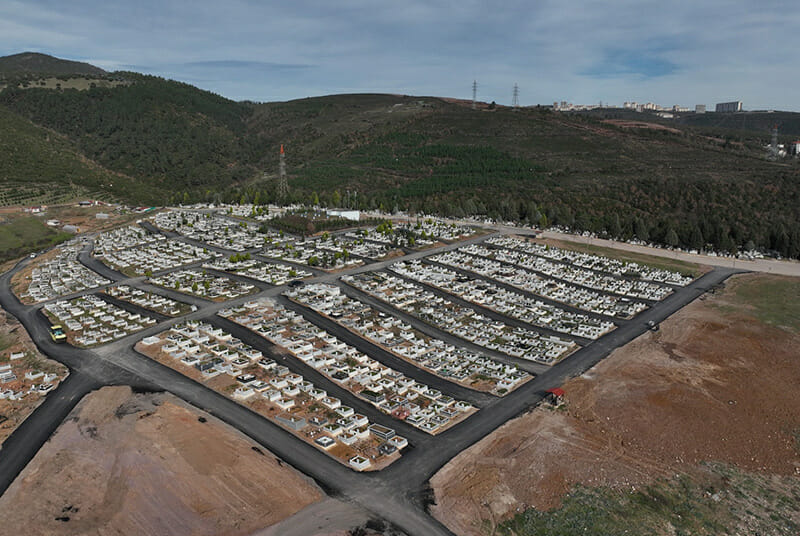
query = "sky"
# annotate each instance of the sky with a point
(582, 51)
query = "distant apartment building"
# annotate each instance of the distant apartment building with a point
(700, 108)
(653, 107)
(735, 106)
(565, 106)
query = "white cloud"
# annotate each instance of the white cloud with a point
(585, 51)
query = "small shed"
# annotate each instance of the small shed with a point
(555, 396)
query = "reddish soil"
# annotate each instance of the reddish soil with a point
(14, 339)
(714, 384)
(128, 463)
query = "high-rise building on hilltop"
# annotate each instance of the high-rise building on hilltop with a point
(735, 106)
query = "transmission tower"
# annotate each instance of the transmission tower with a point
(515, 98)
(474, 92)
(283, 185)
(775, 138)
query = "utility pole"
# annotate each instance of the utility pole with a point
(515, 98)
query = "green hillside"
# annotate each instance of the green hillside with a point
(747, 124)
(680, 185)
(533, 164)
(38, 166)
(744, 127)
(165, 133)
(35, 64)
(22, 235)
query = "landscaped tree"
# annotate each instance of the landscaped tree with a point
(543, 223)
(641, 230)
(696, 240)
(671, 238)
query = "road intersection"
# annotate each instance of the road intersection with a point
(396, 493)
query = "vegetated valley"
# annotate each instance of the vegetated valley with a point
(692, 183)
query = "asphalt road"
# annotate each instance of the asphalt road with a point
(494, 315)
(365, 346)
(21, 446)
(432, 331)
(566, 263)
(395, 493)
(528, 293)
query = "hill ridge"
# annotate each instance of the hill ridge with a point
(37, 63)
(687, 185)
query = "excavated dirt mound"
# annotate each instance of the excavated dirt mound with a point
(128, 463)
(714, 384)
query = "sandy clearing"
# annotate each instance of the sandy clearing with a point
(128, 463)
(712, 385)
(329, 517)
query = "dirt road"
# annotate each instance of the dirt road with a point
(771, 266)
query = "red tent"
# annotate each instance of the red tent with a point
(556, 391)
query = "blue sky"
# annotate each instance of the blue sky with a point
(582, 51)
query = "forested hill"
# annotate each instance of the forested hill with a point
(667, 182)
(34, 63)
(167, 134)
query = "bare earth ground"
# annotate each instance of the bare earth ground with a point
(330, 517)
(640, 124)
(14, 338)
(128, 463)
(714, 384)
(85, 217)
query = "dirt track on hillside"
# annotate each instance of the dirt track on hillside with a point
(712, 385)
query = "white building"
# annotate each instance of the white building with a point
(734, 106)
(353, 215)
